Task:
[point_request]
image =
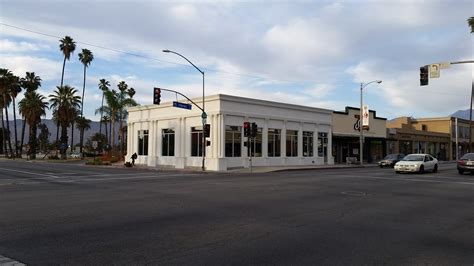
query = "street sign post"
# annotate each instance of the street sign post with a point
(182, 105)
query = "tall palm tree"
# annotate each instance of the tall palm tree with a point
(14, 90)
(82, 124)
(30, 83)
(32, 107)
(86, 58)
(65, 103)
(103, 86)
(67, 47)
(4, 136)
(6, 80)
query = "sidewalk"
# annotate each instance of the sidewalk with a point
(268, 169)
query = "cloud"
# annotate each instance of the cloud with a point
(8, 46)
(45, 68)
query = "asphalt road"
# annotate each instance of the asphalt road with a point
(65, 214)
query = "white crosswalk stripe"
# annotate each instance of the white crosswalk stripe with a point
(4, 261)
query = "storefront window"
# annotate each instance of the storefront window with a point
(256, 147)
(142, 142)
(167, 142)
(291, 143)
(274, 142)
(322, 144)
(196, 141)
(307, 144)
(233, 141)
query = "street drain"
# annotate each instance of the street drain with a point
(354, 193)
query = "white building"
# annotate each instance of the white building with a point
(287, 134)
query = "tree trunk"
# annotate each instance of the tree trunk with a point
(81, 139)
(62, 75)
(22, 135)
(112, 123)
(4, 140)
(101, 115)
(8, 128)
(57, 137)
(63, 141)
(33, 141)
(17, 154)
(106, 132)
(72, 136)
(83, 90)
(110, 132)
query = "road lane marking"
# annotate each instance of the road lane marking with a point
(417, 180)
(25, 172)
(4, 261)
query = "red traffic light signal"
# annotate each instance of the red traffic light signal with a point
(246, 129)
(253, 130)
(156, 95)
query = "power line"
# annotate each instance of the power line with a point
(186, 65)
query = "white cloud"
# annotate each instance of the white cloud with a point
(45, 68)
(8, 46)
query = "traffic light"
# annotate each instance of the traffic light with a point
(207, 130)
(424, 70)
(156, 95)
(246, 129)
(253, 130)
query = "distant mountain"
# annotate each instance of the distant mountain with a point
(52, 130)
(463, 114)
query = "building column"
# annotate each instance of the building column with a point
(329, 147)
(130, 139)
(300, 141)
(265, 139)
(315, 142)
(151, 158)
(283, 142)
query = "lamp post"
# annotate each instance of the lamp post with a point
(204, 115)
(361, 130)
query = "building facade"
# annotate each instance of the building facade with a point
(407, 135)
(346, 136)
(287, 134)
(448, 125)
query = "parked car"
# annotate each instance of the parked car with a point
(417, 163)
(390, 160)
(75, 155)
(466, 163)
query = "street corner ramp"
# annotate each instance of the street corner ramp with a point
(5, 261)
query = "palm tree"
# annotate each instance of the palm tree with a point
(30, 83)
(14, 90)
(67, 47)
(4, 133)
(32, 107)
(103, 86)
(65, 102)
(75, 116)
(82, 124)
(43, 137)
(7, 80)
(86, 58)
(116, 102)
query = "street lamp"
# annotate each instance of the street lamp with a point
(361, 130)
(204, 115)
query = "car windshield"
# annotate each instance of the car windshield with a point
(390, 157)
(414, 157)
(468, 156)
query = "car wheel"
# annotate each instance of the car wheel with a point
(435, 169)
(460, 171)
(422, 169)
(397, 172)
(381, 166)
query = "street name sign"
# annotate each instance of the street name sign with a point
(182, 105)
(434, 70)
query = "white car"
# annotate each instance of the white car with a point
(418, 163)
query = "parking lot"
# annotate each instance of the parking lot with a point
(79, 215)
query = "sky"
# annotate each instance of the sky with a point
(312, 53)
